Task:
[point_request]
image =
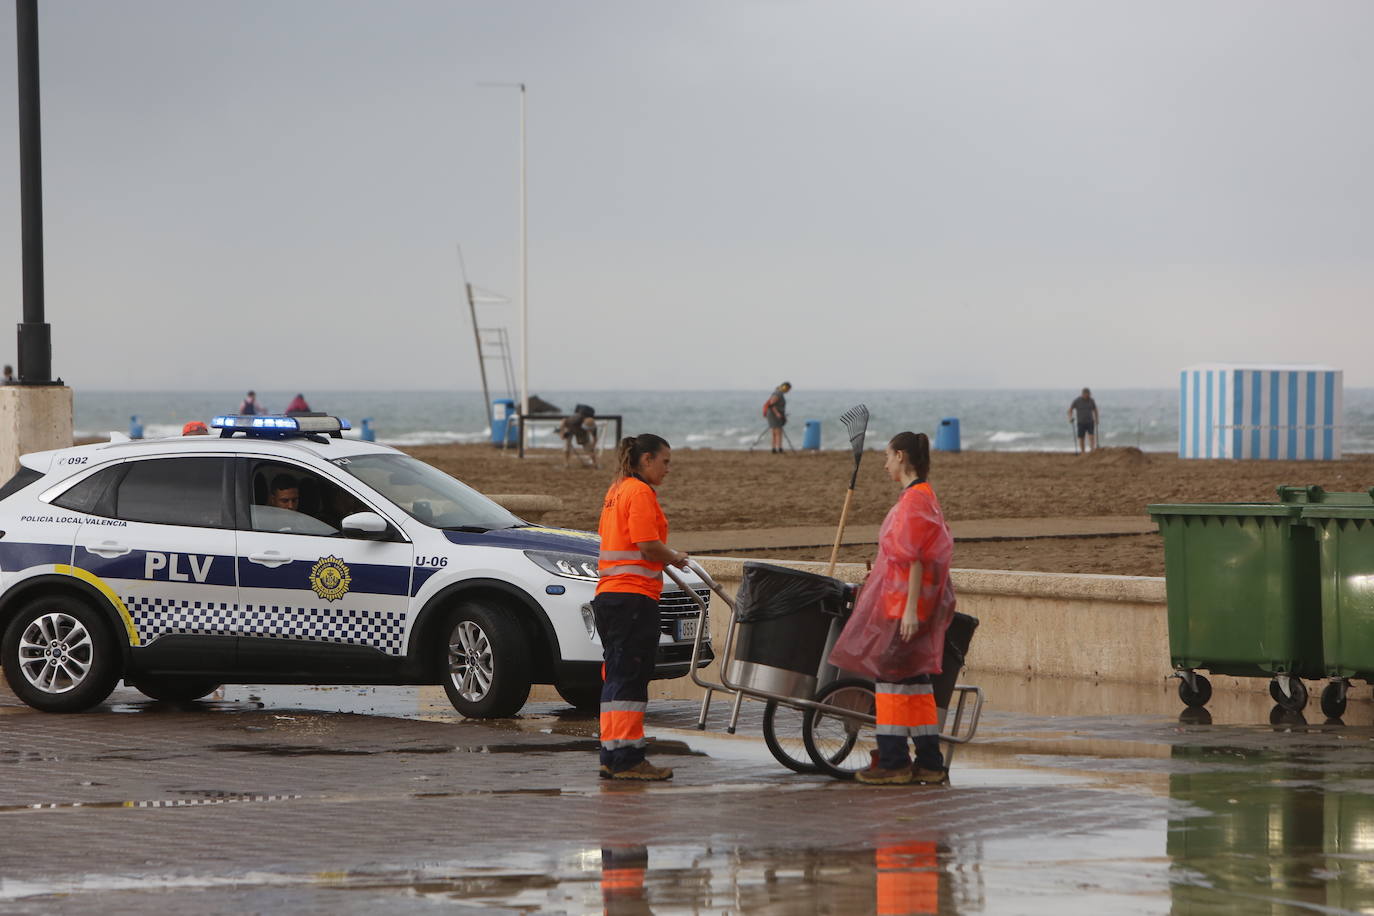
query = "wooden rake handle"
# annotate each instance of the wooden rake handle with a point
(839, 532)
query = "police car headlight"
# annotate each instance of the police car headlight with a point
(567, 565)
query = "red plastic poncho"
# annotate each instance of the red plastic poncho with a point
(871, 643)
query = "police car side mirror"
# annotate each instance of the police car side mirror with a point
(365, 525)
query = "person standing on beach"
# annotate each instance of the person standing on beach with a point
(634, 550)
(9, 376)
(1083, 413)
(250, 406)
(775, 413)
(896, 634)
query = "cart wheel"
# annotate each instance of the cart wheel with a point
(1297, 702)
(782, 732)
(1333, 700)
(1198, 697)
(839, 743)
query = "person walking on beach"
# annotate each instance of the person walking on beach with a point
(1083, 414)
(896, 634)
(250, 406)
(634, 550)
(581, 425)
(775, 413)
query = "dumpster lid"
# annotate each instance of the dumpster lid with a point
(1314, 495)
(1268, 510)
(1321, 512)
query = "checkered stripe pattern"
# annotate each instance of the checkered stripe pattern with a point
(154, 617)
(378, 629)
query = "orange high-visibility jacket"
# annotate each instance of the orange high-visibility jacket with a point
(630, 516)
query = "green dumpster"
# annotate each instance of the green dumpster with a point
(1241, 580)
(1344, 528)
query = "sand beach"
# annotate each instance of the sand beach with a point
(714, 490)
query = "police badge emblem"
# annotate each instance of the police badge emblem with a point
(329, 578)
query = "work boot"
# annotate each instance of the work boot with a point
(644, 771)
(923, 777)
(877, 776)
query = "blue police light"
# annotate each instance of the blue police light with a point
(275, 427)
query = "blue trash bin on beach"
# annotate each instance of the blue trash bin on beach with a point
(367, 433)
(505, 426)
(811, 435)
(947, 439)
(135, 428)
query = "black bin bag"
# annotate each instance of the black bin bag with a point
(957, 640)
(785, 616)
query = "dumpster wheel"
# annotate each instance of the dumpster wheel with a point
(1334, 699)
(1295, 701)
(1195, 694)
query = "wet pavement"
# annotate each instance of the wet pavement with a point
(1074, 798)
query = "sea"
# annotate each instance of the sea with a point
(993, 420)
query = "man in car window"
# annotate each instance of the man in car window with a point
(284, 493)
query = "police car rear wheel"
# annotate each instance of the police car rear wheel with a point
(60, 655)
(487, 662)
(175, 689)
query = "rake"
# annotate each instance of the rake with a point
(855, 421)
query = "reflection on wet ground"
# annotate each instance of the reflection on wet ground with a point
(1075, 798)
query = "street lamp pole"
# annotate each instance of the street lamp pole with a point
(524, 263)
(35, 338)
(524, 277)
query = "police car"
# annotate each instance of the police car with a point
(181, 564)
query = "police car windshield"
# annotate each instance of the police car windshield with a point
(426, 493)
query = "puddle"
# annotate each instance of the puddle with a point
(921, 874)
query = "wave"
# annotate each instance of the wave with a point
(1007, 436)
(431, 437)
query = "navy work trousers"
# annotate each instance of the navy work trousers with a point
(628, 624)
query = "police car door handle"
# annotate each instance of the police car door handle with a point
(269, 558)
(108, 549)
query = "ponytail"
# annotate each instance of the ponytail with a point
(633, 448)
(915, 447)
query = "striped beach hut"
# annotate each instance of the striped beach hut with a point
(1232, 410)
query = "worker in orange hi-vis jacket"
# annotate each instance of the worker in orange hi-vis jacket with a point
(634, 550)
(896, 634)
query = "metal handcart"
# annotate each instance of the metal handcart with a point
(817, 719)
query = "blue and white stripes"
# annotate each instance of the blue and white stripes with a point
(1271, 411)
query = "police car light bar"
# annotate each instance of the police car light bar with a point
(277, 427)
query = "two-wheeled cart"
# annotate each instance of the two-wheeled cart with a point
(817, 719)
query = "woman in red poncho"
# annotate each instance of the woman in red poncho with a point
(896, 634)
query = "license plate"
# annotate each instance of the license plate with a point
(686, 629)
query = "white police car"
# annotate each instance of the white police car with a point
(181, 564)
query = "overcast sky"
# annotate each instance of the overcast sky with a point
(721, 194)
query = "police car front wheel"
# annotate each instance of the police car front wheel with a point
(486, 661)
(60, 655)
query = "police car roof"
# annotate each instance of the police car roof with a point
(322, 447)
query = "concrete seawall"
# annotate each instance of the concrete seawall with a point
(1042, 625)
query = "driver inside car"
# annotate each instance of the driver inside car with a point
(284, 493)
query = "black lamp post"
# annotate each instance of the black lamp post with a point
(35, 337)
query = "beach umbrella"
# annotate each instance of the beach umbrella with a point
(855, 421)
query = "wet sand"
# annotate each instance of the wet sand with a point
(714, 490)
